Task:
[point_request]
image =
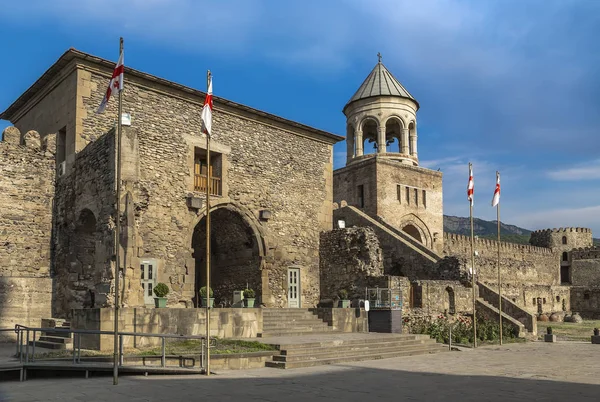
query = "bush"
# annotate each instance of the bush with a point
(249, 294)
(161, 290)
(203, 292)
(343, 294)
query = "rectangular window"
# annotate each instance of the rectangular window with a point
(399, 193)
(416, 197)
(361, 196)
(61, 146)
(407, 196)
(424, 199)
(203, 175)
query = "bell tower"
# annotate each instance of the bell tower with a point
(382, 176)
(384, 113)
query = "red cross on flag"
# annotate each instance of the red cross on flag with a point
(115, 85)
(206, 116)
(471, 185)
(496, 198)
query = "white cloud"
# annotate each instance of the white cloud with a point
(588, 217)
(587, 171)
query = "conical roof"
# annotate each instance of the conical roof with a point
(380, 82)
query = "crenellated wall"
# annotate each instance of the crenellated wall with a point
(564, 239)
(26, 200)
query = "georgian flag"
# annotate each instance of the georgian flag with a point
(470, 186)
(496, 198)
(206, 117)
(115, 84)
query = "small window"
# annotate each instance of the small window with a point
(416, 197)
(424, 199)
(361, 196)
(407, 196)
(544, 301)
(205, 176)
(564, 240)
(565, 256)
(557, 298)
(586, 296)
(533, 301)
(399, 193)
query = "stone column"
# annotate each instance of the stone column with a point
(381, 147)
(350, 147)
(413, 145)
(404, 146)
(358, 137)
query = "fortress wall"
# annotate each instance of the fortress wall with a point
(26, 197)
(520, 264)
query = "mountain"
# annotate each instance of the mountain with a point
(489, 230)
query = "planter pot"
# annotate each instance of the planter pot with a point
(249, 302)
(345, 303)
(211, 300)
(160, 302)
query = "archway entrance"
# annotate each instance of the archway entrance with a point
(412, 231)
(235, 257)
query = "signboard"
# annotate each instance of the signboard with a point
(366, 305)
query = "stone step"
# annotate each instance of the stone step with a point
(294, 324)
(294, 318)
(354, 353)
(48, 345)
(57, 334)
(55, 339)
(347, 359)
(371, 339)
(286, 350)
(295, 332)
(291, 330)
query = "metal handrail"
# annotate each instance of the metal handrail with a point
(23, 332)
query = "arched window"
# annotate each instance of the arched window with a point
(564, 240)
(565, 256)
(451, 301)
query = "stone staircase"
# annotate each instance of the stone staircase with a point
(292, 321)
(344, 348)
(54, 339)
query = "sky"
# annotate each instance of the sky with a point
(508, 85)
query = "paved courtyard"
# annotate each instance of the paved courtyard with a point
(532, 372)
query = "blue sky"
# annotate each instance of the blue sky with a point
(510, 85)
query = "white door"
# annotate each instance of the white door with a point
(148, 269)
(293, 287)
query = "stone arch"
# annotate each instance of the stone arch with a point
(565, 256)
(420, 226)
(83, 252)
(394, 127)
(369, 126)
(237, 252)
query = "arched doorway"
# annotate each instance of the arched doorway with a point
(235, 256)
(84, 253)
(412, 231)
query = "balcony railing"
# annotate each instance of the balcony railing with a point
(200, 184)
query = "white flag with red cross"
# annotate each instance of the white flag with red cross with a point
(115, 85)
(471, 185)
(496, 199)
(207, 109)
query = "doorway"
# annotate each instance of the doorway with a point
(293, 287)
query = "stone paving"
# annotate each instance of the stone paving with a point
(533, 372)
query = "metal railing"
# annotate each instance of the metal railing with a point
(27, 336)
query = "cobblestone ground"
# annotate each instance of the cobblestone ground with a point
(532, 372)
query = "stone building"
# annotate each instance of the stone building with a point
(265, 230)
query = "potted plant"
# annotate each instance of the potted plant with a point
(344, 298)
(249, 297)
(549, 330)
(596, 332)
(161, 290)
(211, 300)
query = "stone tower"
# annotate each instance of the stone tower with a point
(382, 176)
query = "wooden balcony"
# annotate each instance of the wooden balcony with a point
(200, 184)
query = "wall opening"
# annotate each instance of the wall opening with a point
(416, 295)
(412, 231)
(564, 240)
(203, 175)
(370, 144)
(360, 195)
(235, 258)
(565, 275)
(565, 256)
(451, 300)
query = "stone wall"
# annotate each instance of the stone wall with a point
(585, 272)
(519, 264)
(343, 319)
(26, 196)
(586, 301)
(225, 323)
(347, 258)
(84, 227)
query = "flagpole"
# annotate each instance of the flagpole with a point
(208, 241)
(473, 268)
(499, 277)
(118, 234)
